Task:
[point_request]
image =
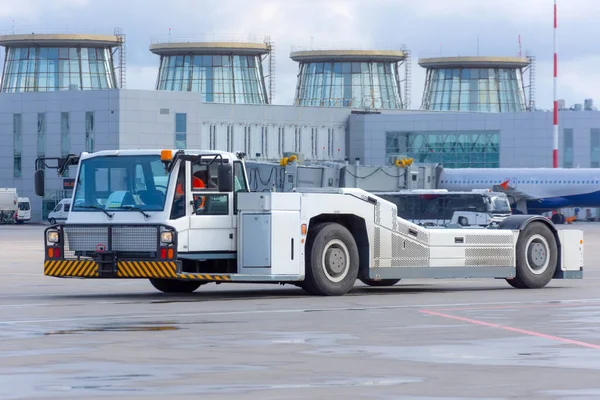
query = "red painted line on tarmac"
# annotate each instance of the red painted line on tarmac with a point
(505, 307)
(511, 329)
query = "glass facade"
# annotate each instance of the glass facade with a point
(41, 69)
(474, 89)
(452, 149)
(220, 78)
(349, 84)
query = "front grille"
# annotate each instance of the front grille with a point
(126, 240)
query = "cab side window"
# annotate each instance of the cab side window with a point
(205, 177)
(239, 180)
(178, 208)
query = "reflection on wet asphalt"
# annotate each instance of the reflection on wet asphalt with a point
(89, 339)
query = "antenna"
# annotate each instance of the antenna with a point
(520, 48)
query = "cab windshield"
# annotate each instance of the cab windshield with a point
(499, 205)
(137, 182)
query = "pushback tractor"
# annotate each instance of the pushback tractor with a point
(183, 218)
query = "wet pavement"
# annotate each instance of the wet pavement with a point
(426, 339)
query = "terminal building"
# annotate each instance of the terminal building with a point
(214, 95)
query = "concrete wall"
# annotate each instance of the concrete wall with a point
(525, 138)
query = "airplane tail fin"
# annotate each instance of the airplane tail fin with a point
(504, 185)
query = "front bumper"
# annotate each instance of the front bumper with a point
(120, 269)
(111, 251)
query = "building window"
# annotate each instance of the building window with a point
(46, 69)
(281, 140)
(264, 141)
(568, 148)
(595, 148)
(41, 134)
(17, 145)
(247, 141)
(89, 131)
(474, 89)
(349, 84)
(229, 138)
(220, 78)
(180, 131)
(452, 149)
(65, 138)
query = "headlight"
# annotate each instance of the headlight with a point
(166, 237)
(53, 237)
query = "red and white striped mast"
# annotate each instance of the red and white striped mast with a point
(555, 148)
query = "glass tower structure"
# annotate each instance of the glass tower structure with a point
(42, 63)
(475, 84)
(221, 72)
(349, 78)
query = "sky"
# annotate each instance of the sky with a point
(428, 28)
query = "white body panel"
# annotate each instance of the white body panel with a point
(393, 242)
(275, 249)
(572, 249)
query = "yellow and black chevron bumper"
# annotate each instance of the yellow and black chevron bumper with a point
(125, 269)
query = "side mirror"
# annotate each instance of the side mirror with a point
(39, 182)
(225, 178)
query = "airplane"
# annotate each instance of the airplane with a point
(530, 190)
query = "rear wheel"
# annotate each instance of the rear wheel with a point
(537, 257)
(380, 283)
(331, 260)
(175, 286)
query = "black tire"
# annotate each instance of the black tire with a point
(330, 247)
(557, 219)
(537, 257)
(381, 283)
(175, 286)
(52, 221)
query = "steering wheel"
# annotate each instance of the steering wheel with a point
(161, 186)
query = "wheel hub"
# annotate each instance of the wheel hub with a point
(335, 261)
(537, 254)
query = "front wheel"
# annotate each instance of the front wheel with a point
(331, 260)
(537, 257)
(175, 286)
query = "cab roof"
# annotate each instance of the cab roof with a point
(144, 152)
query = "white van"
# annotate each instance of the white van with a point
(24, 211)
(60, 212)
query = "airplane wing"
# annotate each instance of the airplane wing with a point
(513, 192)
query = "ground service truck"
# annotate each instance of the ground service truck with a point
(183, 218)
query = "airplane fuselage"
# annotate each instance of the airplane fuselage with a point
(543, 189)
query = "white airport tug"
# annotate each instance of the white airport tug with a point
(184, 218)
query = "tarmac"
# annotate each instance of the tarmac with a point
(421, 339)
